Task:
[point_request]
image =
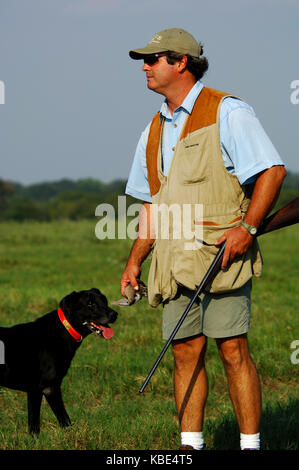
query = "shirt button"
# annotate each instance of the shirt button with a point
(173, 148)
(175, 125)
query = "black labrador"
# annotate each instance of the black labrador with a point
(37, 355)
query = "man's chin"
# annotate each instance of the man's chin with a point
(151, 86)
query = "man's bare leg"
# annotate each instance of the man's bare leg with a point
(190, 382)
(243, 382)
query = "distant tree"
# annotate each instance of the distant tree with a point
(291, 181)
(6, 191)
(20, 208)
(47, 190)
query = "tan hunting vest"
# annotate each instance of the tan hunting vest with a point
(197, 179)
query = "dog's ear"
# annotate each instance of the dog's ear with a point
(68, 302)
(95, 290)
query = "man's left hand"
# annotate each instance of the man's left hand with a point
(238, 240)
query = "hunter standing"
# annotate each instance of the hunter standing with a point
(204, 147)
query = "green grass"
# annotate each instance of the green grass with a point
(42, 262)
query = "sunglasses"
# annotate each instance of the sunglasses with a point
(152, 58)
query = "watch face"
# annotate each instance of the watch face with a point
(253, 230)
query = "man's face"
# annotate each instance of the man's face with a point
(161, 75)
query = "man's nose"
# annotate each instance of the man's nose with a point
(145, 67)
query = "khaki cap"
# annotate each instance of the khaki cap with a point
(174, 39)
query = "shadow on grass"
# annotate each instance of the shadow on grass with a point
(279, 429)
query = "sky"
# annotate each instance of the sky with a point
(73, 104)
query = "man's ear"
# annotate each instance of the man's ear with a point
(68, 302)
(182, 64)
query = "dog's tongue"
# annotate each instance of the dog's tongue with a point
(107, 332)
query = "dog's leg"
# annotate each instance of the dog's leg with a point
(34, 399)
(54, 398)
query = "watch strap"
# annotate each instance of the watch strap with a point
(250, 228)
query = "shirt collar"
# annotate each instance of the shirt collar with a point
(187, 104)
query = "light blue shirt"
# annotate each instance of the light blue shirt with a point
(246, 149)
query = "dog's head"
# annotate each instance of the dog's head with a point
(88, 311)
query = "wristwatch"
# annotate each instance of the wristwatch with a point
(250, 228)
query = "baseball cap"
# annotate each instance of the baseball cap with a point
(173, 39)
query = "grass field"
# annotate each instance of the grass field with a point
(42, 262)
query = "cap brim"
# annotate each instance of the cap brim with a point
(138, 54)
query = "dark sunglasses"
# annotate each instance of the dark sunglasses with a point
(152, 58)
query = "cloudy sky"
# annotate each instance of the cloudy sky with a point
(75, 103)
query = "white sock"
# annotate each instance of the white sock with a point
(194, 439)
(250, 441)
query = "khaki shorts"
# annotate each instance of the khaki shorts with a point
(215, 316)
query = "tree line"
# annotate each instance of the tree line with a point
(63, 199)
(68, 199)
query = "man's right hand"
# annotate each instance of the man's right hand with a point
(130, 275)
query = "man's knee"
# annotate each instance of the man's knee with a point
(189, 351)
(234, 352)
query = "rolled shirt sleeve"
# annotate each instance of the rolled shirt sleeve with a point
(245, 146)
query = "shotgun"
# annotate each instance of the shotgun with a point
(288, 215)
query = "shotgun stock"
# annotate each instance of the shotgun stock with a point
(288, 215)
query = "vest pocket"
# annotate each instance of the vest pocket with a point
(204, 256)
(194, 166)
(212, 231)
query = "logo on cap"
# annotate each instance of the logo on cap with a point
(156, 38)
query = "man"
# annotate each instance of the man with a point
(203, 147)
